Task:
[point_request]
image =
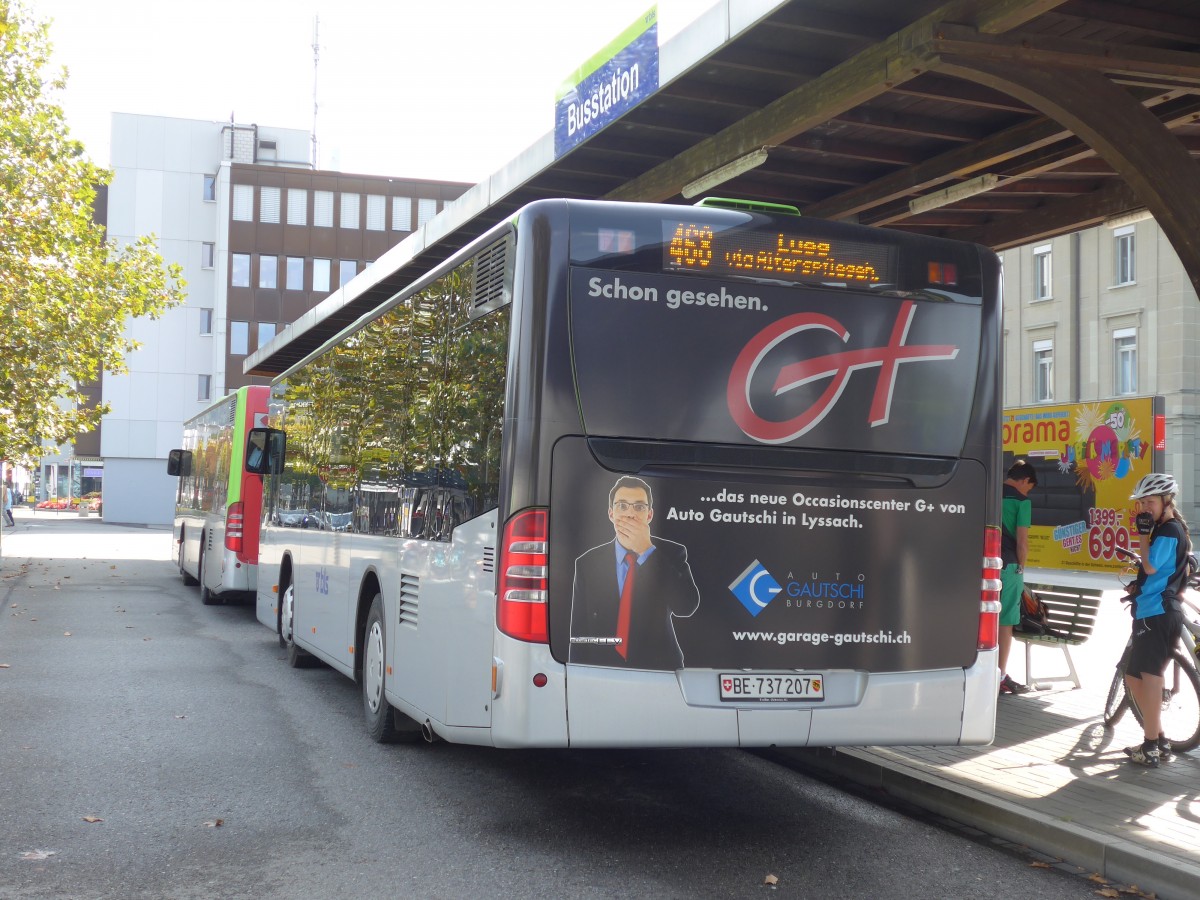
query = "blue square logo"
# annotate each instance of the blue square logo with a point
(755, 588)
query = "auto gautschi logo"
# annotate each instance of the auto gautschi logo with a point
(755, 588)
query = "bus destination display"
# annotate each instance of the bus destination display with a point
(697, 247)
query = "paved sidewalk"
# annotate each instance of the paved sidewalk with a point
(1054, 779)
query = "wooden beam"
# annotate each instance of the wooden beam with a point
(1164, 177)
(1008, 149)
(1055, 218)
(961, 162)
(1009, 14)
(1038, 49)
(963, 93)
(943, 129)
(1136, 18)
(900, 57)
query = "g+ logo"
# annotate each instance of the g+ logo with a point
(837, 367)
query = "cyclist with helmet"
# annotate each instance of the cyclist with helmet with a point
(1157, 615)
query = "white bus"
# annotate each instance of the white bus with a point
(625, 475)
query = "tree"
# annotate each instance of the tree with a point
(65, 291)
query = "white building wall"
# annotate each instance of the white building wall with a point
(159, 165)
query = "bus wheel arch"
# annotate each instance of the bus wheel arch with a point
(385, 724)
(207, 597)
(285, 579)
(296, 658)
(187, 579)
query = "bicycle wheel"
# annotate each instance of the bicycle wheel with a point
(1118, 699)
(1181, 705)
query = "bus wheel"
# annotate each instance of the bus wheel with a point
(296, 657)
(207, 597)
(187, 579)
(384, 724)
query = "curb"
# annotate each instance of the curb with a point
(1112, 857)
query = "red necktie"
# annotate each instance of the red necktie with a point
(626, 603)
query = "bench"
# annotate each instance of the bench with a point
(1071, 616)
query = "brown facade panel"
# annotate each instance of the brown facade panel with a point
(268, 305)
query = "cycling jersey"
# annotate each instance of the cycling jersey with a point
(1168, 554)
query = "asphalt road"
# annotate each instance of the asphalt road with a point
(151, 747)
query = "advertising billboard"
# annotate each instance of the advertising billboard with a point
(1088, 458)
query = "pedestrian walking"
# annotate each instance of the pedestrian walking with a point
(1016, 515)
(8, 502)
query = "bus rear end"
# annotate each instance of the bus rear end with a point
(769, 509)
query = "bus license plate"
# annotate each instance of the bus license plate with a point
(768, 688)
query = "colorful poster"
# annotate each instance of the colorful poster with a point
(1088, 457)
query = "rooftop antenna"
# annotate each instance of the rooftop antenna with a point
(316, 49)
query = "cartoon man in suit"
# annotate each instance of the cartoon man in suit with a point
(628, 591)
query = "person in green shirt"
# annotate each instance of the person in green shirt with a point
(1016, 513)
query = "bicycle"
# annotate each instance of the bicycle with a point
(1181, 688)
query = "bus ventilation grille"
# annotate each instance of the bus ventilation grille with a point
(410, 589)
(492, 282)
(489, 560)
(232, 410)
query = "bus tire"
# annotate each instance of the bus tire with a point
(296, 658)
(384, 724)
(187, 579)
(207, 597)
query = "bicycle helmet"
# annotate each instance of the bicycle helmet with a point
(1154, 484)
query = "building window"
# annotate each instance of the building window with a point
(268, 271)
(243, 203)
(321, 275)
(208, 255)
(1041, 272)
(426, 210)
(1043, 371)
(295, 273)
(239, 338)
(349, 217)
(402, 214)
(206, 320)
(210, 188)
(240, 271)
(1125, 361)
(266, 331)
(323, 209)
(347, 269)
(1123, 270)
(375, 212)
(268, 199)
(204, 387)
(297, 206)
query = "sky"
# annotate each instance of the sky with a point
(438, 89)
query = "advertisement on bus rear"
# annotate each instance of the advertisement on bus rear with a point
(840, 525)
(1088, 457)
(666, 573)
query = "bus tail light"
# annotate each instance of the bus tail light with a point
(989, 598)
(235, 522)
(524, 567)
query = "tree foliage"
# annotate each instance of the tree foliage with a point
(66, 293)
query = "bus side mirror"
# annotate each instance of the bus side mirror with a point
(265, 448)
(179, 462)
